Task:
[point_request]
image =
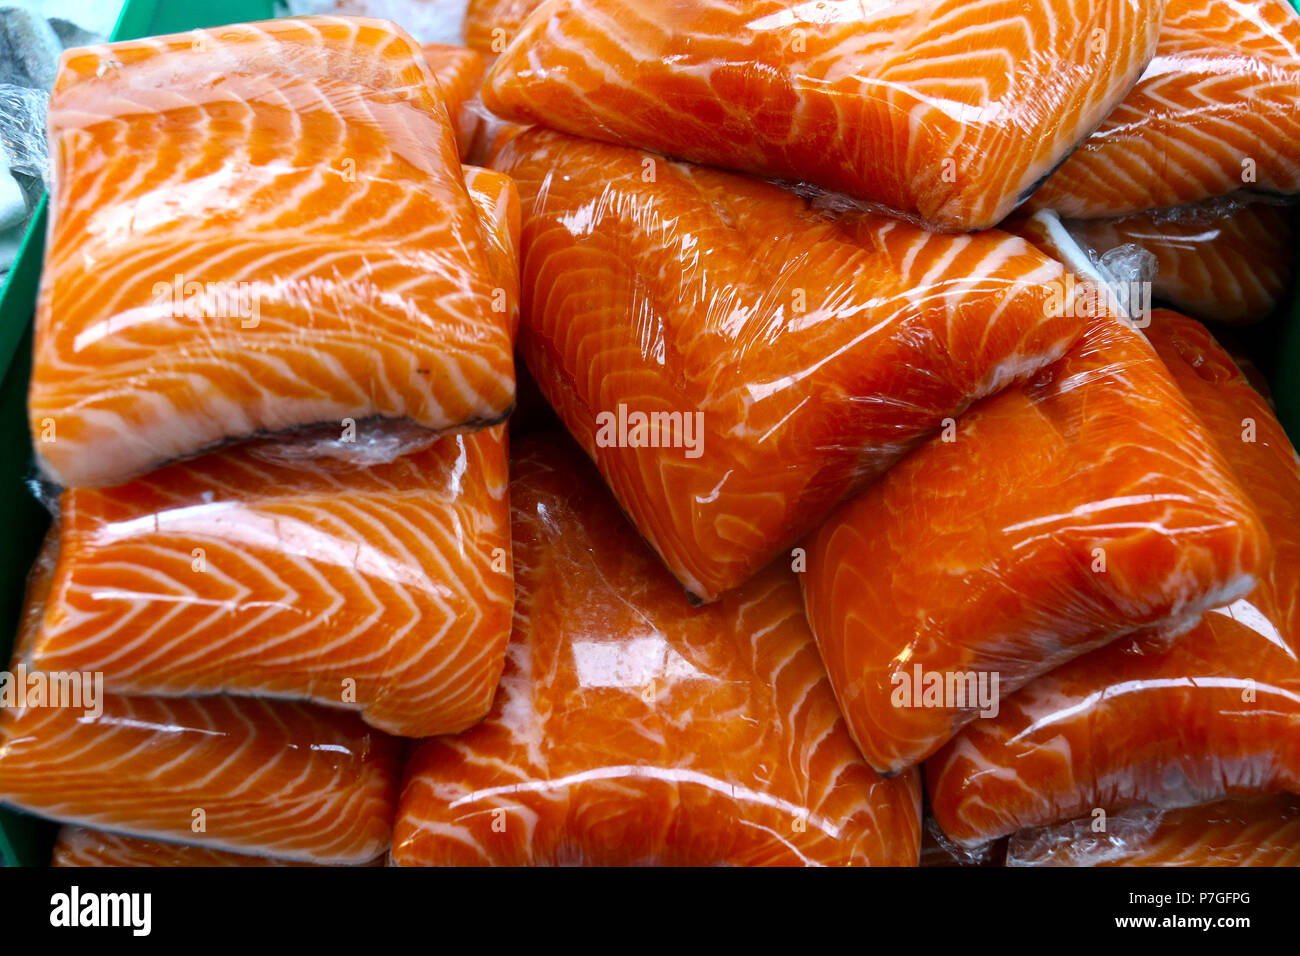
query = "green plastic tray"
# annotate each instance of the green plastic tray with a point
(25, 840)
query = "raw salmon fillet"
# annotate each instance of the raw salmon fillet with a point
(490, 25)
(496, 200)
(459, 72)
(1215, 112)
(82, 847)
(634, 728)
(1211, 714)
(929, 107)
(255, 228)
(271, 777)
(807, 347)
(1054, 518)
(1215, 261)
(1261, 832)
(384, 589)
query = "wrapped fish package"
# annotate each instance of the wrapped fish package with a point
(1053, 518)
(634, 728)
(1154, 719)
(256, 228)
(737, 358)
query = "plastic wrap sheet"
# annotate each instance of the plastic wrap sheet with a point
(459, 71)
(271, 778)
(1051, 519)
(632, 727)
(317, 258)
(1214, 113)
(384, 589)
(1264, 831)
(801, 348)
(1223, 261)
(1214, 713)
(22, 130)
(943, 109)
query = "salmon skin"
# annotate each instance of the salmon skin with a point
(931, 108)
(1261, 832)
(1054, 518)
(805, 347)
(249, 776)
(1217, 261)
(82, 847)
(633, 728)
(459, 71)
(1149, 720)
(383, 589)
(255, 228)
(1214, 113)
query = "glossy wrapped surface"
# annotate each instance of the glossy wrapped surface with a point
(808, 347)
(950, 110)
(634, 728)
(254, 228)
(1208, 714)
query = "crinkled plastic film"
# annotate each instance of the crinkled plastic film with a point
(1148, 719)
(1261, 832)
(920, 107)
(22, 130)
(323, 264)
(1051, 519)
(633, 728)
(788, 353)
(266, 777)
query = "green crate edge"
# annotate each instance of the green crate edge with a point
(25, 840)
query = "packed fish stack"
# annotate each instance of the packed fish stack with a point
(847, 449)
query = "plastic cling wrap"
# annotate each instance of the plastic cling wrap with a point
(1214, 113)
(1261, 832)
(632, 727)
(1051, 519)
(490, 25)
(264, 777)
(737, 358)
(1149, 720)
(1218, 261)
(384, 589)
(950, 110)
(81, 847)
(307, 253)
(460, 74)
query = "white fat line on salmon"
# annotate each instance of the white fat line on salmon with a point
(133, 910)
(624, 429)
(84, 690)
(210, 300)
(951, 690)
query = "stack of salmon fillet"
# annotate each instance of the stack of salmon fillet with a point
(859, 489)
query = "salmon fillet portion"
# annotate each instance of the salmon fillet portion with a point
(1220, 262)
(634, 728)
(933, 108)
(806, 348)
(1264, 831)
(1158, 720)
(384, 589)
(1215, 112)
(83, 847)
(1054, 518)
(249, 776)
(459, 71)
(490, 25)
(255, 228)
